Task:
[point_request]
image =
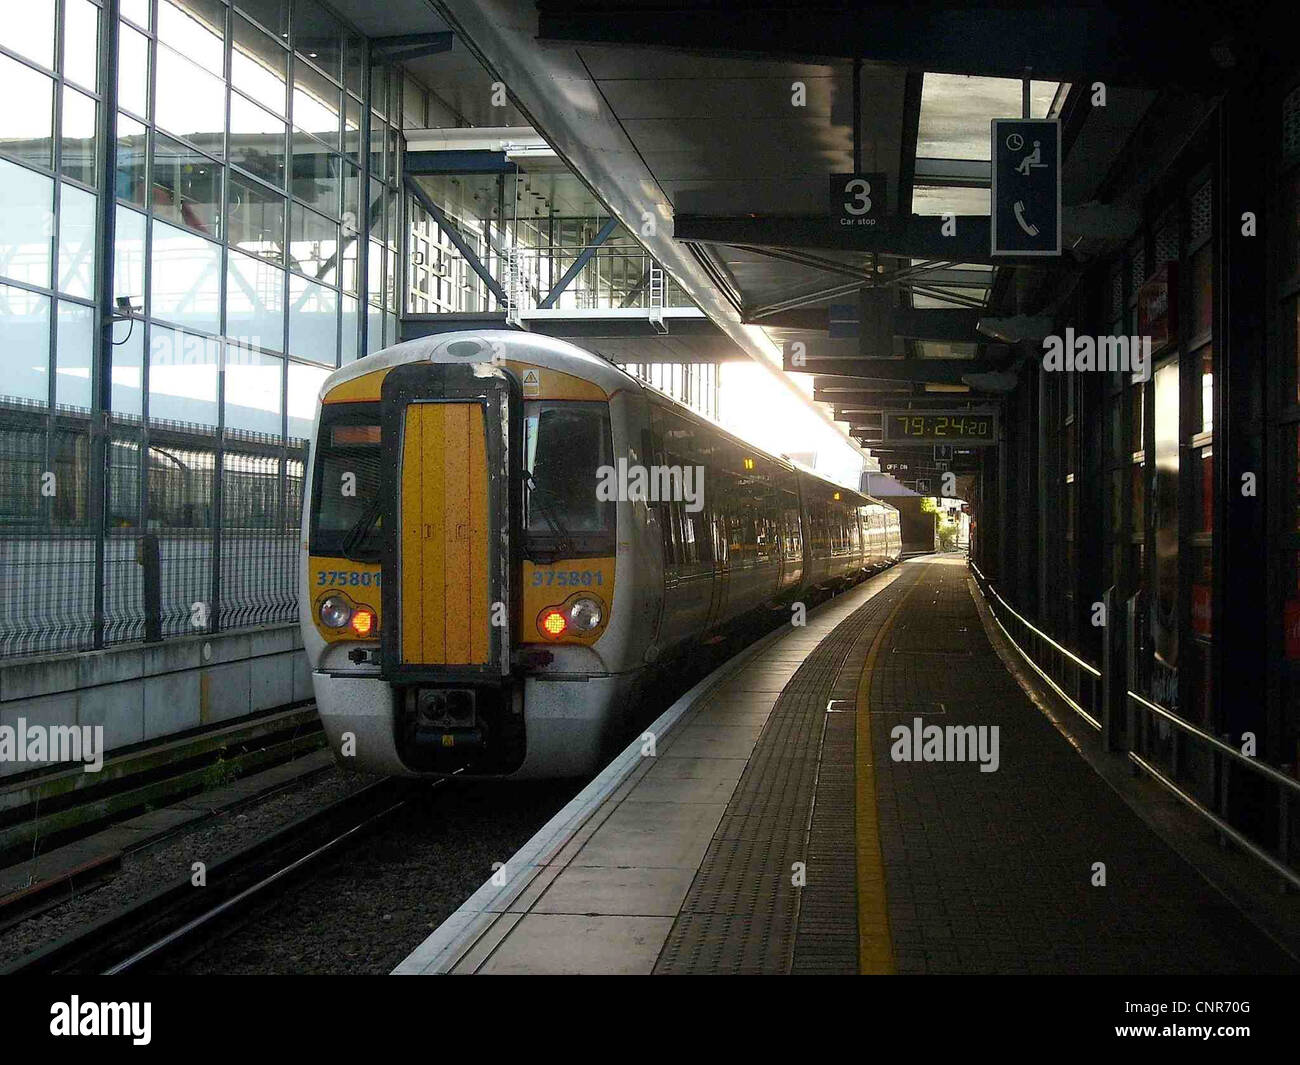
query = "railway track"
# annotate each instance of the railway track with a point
(179, 915)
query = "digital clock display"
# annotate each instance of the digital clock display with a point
(939, 427)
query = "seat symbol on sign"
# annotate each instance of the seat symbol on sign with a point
(1032, 161)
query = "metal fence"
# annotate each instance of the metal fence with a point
(198, 532)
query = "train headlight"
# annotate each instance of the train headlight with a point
(552, 623)
(585, 614)
(335, 612)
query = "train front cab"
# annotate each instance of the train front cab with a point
(461, 571)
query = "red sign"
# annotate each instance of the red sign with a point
(1158, 307)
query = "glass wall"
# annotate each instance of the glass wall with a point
(255, 249)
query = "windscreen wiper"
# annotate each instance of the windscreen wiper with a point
(360, 530)
(538, 494)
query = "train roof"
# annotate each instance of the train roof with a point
(555, 354)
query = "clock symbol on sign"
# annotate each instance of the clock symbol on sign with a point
(1015, 142)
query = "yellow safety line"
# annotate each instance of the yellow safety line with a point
(875, 946)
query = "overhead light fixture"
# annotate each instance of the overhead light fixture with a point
(1016, 328)
(996, 381)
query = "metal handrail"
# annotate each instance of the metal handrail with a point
(1259, 767)
(1288, 784)
(1034, 629)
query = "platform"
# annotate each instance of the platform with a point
(775, 827)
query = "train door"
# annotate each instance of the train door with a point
(448, 522)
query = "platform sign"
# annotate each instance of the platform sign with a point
(1026, 201)
(857, 199)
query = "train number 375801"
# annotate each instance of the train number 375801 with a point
(572, 578)
(346, 577)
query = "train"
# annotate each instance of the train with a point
(505, 537)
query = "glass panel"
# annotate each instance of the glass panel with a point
(317, 180)
(32, 33)
(272, 14)
(1165, 504)
(185, 278)
(391, 217)
(133, 71)
(390, 329)
(377, 140)
(196, 29)
(27, 131)
(255, 303)
(128, 256)
(351, 244)
(76, 333)
(354, 63)
(254, 384)
(379, 90)
(182, 377)
(564, 444)
(26, 224)
(375, 273)
(25, 325)
(313, 321)
(259, 66)
(137, 11)
(186, 186)
(191, 102)
(351, 326)
(77, 242)
(128, 360)
(77, 135)
(316, 105)
(304, 386)
(1203, 290)
(256, 220)
(132, 145)
(352, 128)
(257, 140)
(313, 244)
(412, 105)
(318, 35)
(374, 329)
(351, 200)
(81, 43)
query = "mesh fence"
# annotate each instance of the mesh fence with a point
(198, 531)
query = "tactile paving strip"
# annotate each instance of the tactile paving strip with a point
(743, 914)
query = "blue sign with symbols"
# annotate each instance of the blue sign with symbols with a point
(1026, 202)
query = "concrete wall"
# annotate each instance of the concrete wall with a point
(147, 692)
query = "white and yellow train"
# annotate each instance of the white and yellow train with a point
(470, 602)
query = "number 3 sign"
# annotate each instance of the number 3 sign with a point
(857, 199)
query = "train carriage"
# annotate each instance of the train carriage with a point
(505, 534)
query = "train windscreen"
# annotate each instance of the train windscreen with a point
(345, 520)
(565, 444)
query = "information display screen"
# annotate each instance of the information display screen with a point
(940, 427)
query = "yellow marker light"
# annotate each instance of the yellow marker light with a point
(836, 496)
(553, 623)
(363, 621)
